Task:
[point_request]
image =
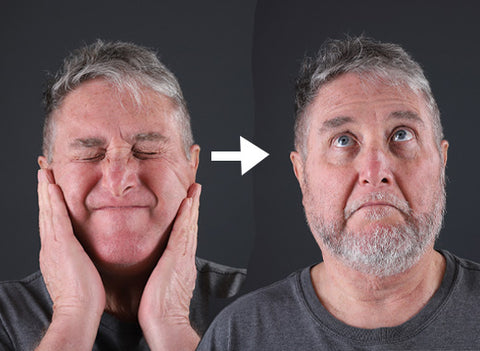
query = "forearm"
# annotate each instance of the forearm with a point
(70, 332)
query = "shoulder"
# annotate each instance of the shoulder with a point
(256, 319)
(467, 272)
(220, 280)
(275, 299)
(30, 287)
(26, 310)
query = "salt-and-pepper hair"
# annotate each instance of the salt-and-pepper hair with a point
(370, 59)
(126, 66)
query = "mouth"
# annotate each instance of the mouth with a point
(376, 204)
(377, 201)
(120, 208)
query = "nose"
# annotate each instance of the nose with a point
(375, 168)
(120, 173)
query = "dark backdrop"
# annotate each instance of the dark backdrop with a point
(442, 36)
(214, 46)
(207, 44)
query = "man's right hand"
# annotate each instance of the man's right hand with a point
(72, 280)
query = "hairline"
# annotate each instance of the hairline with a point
(136, 94)
(380, 75)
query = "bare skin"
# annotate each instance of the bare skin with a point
(370, 302)
(118, 219)
(79, 296)
(367, 138)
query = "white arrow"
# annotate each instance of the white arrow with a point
(249, 155)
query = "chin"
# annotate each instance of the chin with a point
(126, 260)
(125, 254)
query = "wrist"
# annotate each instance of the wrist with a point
(175, 336)
(71, 330)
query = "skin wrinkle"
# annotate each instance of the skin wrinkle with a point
(171, 160)
(388, 248)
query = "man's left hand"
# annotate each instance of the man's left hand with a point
(164, 308)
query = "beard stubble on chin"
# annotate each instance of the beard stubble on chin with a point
(383, 250)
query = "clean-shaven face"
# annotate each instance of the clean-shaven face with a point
(372, 182)
(123, 172)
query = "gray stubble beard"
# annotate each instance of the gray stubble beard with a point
(389, 249)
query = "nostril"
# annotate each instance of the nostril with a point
(384, 180)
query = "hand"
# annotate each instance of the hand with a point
(72, 280)
(164, 308)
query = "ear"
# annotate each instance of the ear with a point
(42, 162)
(298, 167)
(444, 150)
(194, 157)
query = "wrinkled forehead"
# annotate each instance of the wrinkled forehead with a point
(100, 102)
(352, 91)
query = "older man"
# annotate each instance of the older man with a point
(370, 160)
(118, 214)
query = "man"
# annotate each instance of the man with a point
(118, 214)
(370, 160)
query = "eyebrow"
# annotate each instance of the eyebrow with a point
(408, 115)
(151, 136)
(87, 142)
(342, 120)
(336, 122)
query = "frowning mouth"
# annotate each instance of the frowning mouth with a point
(113, 208)
(379, 200)
(375, 204)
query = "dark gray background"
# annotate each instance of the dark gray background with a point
(442, 36)
(207, 44)
(214, 47)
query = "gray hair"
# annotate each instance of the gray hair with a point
(386, 62)
(126, 66)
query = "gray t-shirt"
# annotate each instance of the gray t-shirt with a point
(26, 310)
(288, 316)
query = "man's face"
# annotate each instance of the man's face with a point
(123, 172)
(372, 181)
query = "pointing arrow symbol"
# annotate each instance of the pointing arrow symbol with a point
(249, 155)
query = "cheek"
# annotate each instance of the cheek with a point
(168, 184)
(328, 189)
(76, 182)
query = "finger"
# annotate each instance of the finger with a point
(183, 237)
(44, 205)
(191, 242)
(60, 219)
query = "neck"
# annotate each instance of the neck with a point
(123, 293)
(367, 301)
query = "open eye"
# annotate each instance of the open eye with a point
(343, 141)
(402, 135)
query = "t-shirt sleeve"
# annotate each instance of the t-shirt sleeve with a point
(5, 342)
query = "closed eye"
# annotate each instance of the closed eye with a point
(142, 155)
(95, 158)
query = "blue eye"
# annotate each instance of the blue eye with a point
(343, 141)
(402, 135)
